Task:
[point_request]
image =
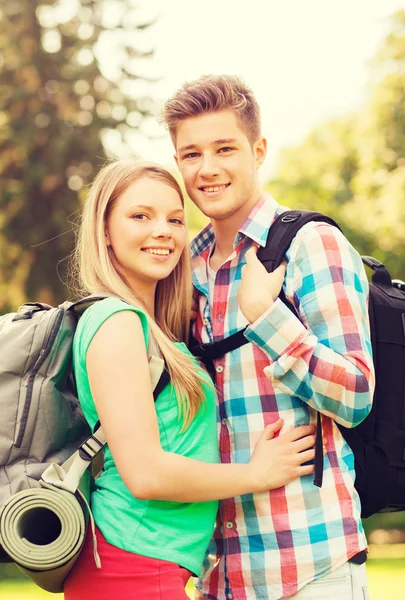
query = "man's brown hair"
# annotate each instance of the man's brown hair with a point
(212, 93)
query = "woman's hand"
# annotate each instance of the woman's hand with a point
(277, 461)
(194, 305)
(258, 288)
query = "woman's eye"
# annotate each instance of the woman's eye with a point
(139, 217)
(177, 221)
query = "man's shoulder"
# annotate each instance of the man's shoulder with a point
(319, 232)
(319, 245)
(203, 240)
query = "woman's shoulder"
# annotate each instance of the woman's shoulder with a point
(101, 310)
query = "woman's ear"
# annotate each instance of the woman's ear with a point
(107, 238)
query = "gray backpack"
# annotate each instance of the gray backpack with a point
(41, 419)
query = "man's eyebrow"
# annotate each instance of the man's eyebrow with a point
(226, 141)
(188, 147)
(215, 142)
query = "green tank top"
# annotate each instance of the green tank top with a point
(173, 531)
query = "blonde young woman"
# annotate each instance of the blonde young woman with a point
(155, 501)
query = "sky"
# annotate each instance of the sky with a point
(306, 60)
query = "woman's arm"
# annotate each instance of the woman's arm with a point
(118, 372)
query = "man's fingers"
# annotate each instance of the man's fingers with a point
(280, 271)
(251, 254)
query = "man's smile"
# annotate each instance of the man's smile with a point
(213, 190)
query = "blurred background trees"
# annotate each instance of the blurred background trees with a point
(57, 111)
(61, 112)
(354, 168)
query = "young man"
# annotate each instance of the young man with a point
(300, 541)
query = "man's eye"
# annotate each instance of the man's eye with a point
(190, 155)
(226, 149)
(177, 221)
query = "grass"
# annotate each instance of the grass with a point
(386, 578)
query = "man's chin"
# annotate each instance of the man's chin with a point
(214, 211)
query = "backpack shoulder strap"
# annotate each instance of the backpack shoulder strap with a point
(67, 476)
(283, 231)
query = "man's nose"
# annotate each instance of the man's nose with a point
(209, 166)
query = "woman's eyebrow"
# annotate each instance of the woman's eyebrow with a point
(140, 206)
(150, 207)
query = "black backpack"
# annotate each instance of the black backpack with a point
(378, 443)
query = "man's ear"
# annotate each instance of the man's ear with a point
(176, 159)
(260, 151)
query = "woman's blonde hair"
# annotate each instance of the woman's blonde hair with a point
(173, 295)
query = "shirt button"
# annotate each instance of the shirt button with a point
(224, 421)
(229, 525)
(205, 321)
(219, 369)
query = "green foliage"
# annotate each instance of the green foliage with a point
(353, 169)
(56, 110)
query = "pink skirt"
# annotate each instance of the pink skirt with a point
(123, 575)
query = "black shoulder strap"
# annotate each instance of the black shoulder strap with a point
(282, 233)
(162, 383)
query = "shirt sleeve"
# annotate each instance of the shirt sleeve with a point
(324, 356)
(92, 319)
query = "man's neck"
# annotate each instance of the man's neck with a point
(225, 231)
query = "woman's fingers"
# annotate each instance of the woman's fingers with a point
(304, 443)
(299, 432)
(306, 456)
(305, 470)
(271, 429)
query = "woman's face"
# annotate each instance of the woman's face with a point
(146, 233)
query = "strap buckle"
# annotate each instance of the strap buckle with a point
(90, 448)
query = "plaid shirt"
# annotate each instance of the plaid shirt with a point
(269, 545)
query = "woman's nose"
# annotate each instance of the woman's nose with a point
(162, 229)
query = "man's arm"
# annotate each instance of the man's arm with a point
(324, 357)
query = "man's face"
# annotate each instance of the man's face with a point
(219, 165)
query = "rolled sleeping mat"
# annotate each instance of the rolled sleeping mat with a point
(43, 531)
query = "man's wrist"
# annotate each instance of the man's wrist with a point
(259, 310)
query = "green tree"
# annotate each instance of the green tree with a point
(354, 168)
(58, 111)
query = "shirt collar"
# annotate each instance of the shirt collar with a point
(256, 226)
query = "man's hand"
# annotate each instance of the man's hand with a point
(258, 288)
